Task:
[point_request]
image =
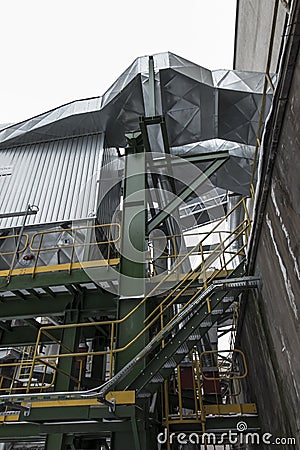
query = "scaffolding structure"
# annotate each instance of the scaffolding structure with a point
(118, 290)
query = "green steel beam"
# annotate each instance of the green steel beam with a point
(176, 202)
(136, 438)
(202, 158)
(98, 368)
(33, 323)
(54, 441)
(84, 420)
(155, 120)
(69, 340)
(218, 424)
(93, 303)
(132, 258)
(66, 368)
(18, 431)
(5, 326)
(130, 427)
(72, 413)
(95, 274)
(23, 335)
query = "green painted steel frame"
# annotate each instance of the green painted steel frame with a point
(62, 278)
(93, 302)
(83, 420)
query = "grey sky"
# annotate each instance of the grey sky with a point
(56, 51)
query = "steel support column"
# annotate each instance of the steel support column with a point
(132, 269)
(137, 437)
(132, 261)
(132, 266)
(54, 441)
(64, 382)
(70, 340)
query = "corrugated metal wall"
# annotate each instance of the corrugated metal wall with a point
(112, 172)
(58, 176)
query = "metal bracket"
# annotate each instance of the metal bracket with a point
(16, 408)
(237, 283)
(27, 409)
(110, 403)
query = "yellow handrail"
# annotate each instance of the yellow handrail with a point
(223, 375)
(112, 350)
(37, 359)
(218, 250)
(14, 236)
(36, 247)
(189, 277)
(70, 230)
(118, 321)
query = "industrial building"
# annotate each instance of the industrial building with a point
(149, 255)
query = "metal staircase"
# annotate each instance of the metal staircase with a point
(169, 347)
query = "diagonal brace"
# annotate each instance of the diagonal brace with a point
(176, 202)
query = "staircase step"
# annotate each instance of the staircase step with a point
(182, 350)
(170, 363)
(206, 324)
(158, 378)
(228, 299)
(144, 394)
(195, 337)
(216, 312)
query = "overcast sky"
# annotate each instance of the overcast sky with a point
(56, 51)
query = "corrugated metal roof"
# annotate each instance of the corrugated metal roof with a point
(60, 177)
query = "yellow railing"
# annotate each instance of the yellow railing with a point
(73, 234)
(193, 381)
(14, 238)
(225, 366)
(76, 240)
(238, 237)
(214, 240)
(112, 229)
(13, 380)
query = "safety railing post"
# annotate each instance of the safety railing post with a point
(111, 350)
(72, 252)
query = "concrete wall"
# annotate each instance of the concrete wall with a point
(269, 332)
(253, 28)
